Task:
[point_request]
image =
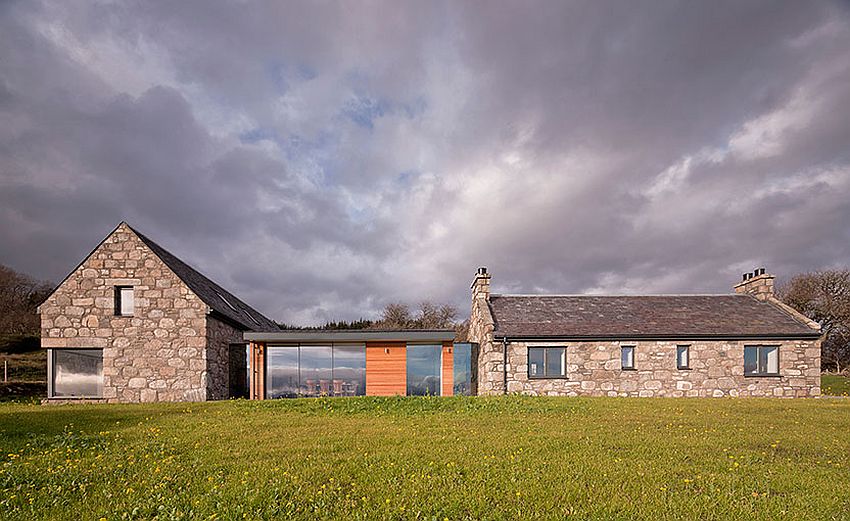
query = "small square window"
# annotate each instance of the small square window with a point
(547, 362)
(761, 360)
(683, 357)
(627, 358)
(125, 304)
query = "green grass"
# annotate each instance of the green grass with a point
(429, 458)
(835, 385)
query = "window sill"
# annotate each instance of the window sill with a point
(548, 378)
(628, 369)
(766, 375)
(684, 368)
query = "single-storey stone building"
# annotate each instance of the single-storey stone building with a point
(133, 323)
(742, 344)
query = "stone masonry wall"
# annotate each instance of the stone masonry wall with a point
(717, 369)
(219, 338)
(490, 361)
(159, 353)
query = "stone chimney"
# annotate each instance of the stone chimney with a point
(758, 284)
(481, 285)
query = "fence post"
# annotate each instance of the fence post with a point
(5, 372)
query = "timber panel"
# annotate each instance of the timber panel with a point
(447, 376)
(386, 368)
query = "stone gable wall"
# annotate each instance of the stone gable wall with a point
(717, 369)
(158, 354)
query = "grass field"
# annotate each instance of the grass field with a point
(835, 385)
(429, 458)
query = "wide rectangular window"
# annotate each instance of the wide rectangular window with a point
(76, 373)
(683, 357)
(423, 369)
(547, 362)
(462, 370)
(761, 360)
(627, 357)
(316, 370)
(125, 304)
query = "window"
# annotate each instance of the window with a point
(423, 369)
(683, 357)
(761, 360)
(547, 362)
(627, 358)
(76, 373)
(462, 369)
(316, 370)
(125, 305)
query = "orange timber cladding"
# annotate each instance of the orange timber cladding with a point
(386, 368)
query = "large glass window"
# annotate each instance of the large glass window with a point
(282, 372)
(462, 370)
(315, 370)
(423, 370)
(77, 373)
(547, 362)
(349, 370)
(761, 360)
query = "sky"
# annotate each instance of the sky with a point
(322, 159)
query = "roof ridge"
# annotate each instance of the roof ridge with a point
(185, 272)
(539, 295)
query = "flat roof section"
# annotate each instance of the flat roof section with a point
(351, 335)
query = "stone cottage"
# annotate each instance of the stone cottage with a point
(743, 344)
(134, 323)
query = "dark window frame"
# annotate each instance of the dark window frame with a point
(686, 367)
(546, 376)
(759, 372)
(632, 367)
(118, 299)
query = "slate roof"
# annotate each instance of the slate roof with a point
(663, 316)
(219, 299)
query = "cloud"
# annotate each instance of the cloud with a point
(321, 160)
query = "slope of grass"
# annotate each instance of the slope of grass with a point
(835, 385)
(429, 458)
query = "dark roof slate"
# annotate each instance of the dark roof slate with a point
(219, 299)
(641, 316)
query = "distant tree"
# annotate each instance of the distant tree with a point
(824, 296)
(20, 295)
(429, 316)
(330, 325)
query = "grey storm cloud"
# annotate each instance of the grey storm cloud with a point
(321, 160)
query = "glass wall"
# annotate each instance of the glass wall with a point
(77, 373)
(282, 372)
(462, 372)
(316, 370)
(423, 370)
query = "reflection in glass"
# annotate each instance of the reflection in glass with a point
(751, 360)
(535, 361)
(282, 372)
(770, 359)
(349, 370)
(682, 357)
(78, 373)
(423, 370)
(316, 370)
(628, 357)
(462, 371)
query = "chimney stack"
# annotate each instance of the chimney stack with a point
(481, 284)
(758, 283)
